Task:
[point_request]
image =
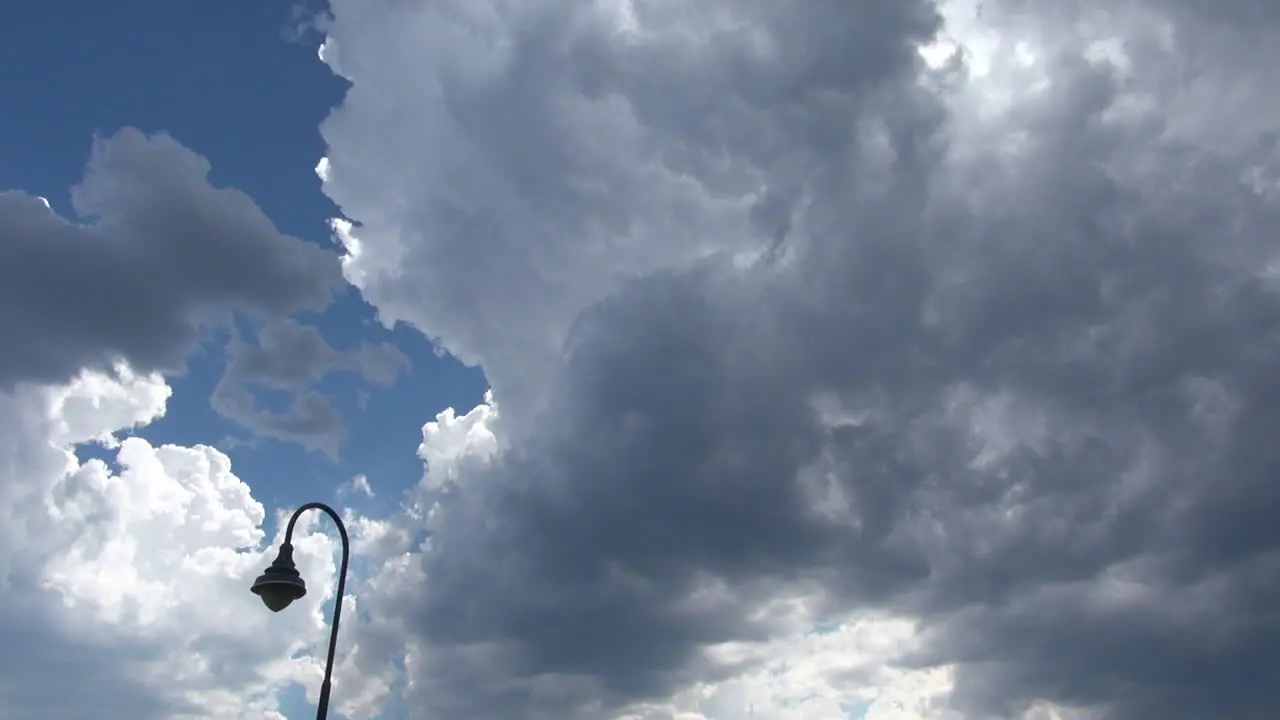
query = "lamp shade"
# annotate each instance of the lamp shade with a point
(280, 584)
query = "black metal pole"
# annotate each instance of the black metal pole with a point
(322, 707)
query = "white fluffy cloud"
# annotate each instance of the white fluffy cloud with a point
(132, 585)
(451, 443)
(963, 320)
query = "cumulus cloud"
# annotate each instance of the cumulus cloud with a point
(126, 582)
(130, 586)
(155, 253)
(157, 257)
(453, 444)
(963, 317)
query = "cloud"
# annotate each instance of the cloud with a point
(292, 358)
(131, 585)
(304, 24)
(452, 444)
(127, 581)
(159, 257)
(358, 484)
(290, 355)
(973, 329)
(156, 253)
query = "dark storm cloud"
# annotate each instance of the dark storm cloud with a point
(1010, 373)
(157, 252)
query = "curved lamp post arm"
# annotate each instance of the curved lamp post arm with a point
(322, 708)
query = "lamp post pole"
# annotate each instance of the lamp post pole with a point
(281, 584)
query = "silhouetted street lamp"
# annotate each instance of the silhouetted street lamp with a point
(281, 584)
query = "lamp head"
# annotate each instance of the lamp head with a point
(280, 584)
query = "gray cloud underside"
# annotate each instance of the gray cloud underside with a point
(292, 358)
(91, 678)
(158, 256)
(158, 253)
(1027, 393)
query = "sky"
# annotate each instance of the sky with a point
(838, 359)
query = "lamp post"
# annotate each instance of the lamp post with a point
(281, 584)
